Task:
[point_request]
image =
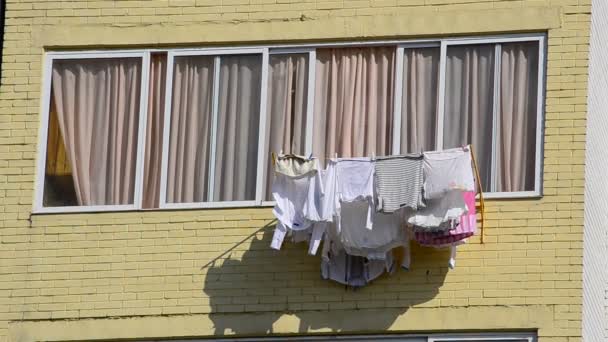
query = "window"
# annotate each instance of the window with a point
(479, 337)
(194, 128)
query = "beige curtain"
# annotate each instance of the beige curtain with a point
(97, 105)
(517, 117)
(154, 131)
(237, 130)
(469, 103)
(353, 101)
(419, 100)
(287, 94)
(189, 142)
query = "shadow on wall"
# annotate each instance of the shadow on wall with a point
(252, 278)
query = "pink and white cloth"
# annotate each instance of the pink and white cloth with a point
(466, 227)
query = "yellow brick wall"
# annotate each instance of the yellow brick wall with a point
(209, 272)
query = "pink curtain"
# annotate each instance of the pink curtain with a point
(353, 101)
(469, 95)
(154, 131)
(287, 95)
(419, 100)
(517, 117)
(97, 106)
(189, 140)
(236, 156)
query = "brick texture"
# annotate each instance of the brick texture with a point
(205, 262)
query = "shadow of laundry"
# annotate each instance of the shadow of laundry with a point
(251, 280)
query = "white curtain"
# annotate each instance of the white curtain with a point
(287, 95)
(238, 127)
(189, 138)
(354, 92)
(469, 96)
(419, 100)
(154, 131)
(517, 117)
(97, 107)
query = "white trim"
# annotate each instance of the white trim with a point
(97, 54)
(268, 203)
(418, 337)
(511, 195)
(263, 138)
(495, 108)
(290, 51)
(257, 48)
(310, 101)
(219, 51)
(441, 93)
(43, 132)
(481, 337)
(540, 115)
(141, 134)
(164, 171)
(398, 96)
(215, 82)
(200, 205)
(85, 209)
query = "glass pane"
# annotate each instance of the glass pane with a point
(154, 130)
(238, 118)
(353, 112)
(92, 133)
(419, 100)
(287, 95)
(469, 98)
(517, 113)
(190, 130)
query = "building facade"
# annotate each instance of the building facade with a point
(198, 265)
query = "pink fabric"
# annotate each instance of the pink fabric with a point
(466, 228)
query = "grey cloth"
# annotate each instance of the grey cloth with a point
(399, 182)
(355, 271)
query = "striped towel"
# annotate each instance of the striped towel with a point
(399, 182)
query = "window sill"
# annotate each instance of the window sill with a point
(236, 204)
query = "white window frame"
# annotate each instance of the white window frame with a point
(430, 337)
(217, 54)
(44, 127)
(540, 101)
(263, 140)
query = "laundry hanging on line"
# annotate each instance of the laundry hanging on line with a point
(364, 209)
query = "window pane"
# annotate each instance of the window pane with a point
(517, 112)
(353, 101)
(190, 131)
(419, 100)
(287, 95)
(238, 118)
(154, 130)
(92, 140)
(469, 97)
